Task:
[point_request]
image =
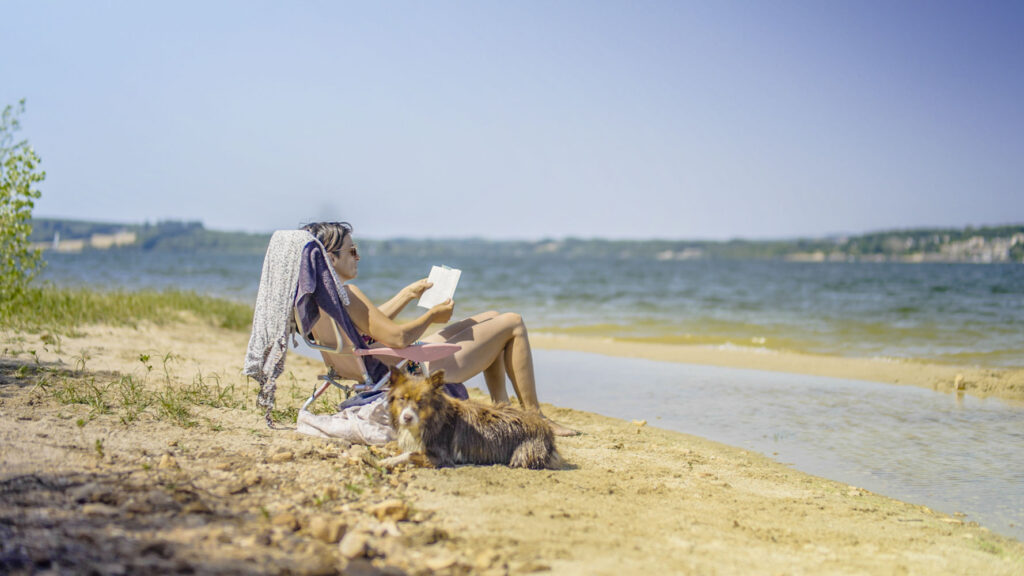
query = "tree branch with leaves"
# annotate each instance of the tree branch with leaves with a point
(19, 175)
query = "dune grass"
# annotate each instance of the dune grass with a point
(129, 396)
(154, 388)
(63, 310)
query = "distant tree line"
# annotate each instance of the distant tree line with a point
(193, 236)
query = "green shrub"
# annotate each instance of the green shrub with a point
(19, 174)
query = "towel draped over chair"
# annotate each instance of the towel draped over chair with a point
(295, 274)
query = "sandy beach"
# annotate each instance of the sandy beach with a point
(88, 485)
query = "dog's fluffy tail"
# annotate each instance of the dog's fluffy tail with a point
(536, 454)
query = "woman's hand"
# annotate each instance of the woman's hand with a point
(442, 313)
(417, 288)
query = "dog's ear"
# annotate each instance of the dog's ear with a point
(397, 377)
(436, 379)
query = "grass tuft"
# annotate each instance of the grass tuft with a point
(129, 396)
(173, 404)
(58, 312)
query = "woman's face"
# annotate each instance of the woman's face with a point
(345, 260)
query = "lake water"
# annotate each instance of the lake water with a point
(955, 454)
(956, 313)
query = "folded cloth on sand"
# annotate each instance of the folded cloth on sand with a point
(365, 424)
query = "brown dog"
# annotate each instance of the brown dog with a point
(451, 431)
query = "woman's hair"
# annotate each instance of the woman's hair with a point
(330, 234)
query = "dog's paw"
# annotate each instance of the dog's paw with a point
(413, 459)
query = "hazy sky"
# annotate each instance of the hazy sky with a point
(515, 119)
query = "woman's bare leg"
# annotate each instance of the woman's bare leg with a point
(451, 330)
(494, 375)
(487, 343)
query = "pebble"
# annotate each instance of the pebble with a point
(219, 535)
(486, 559)
(282, 457)
(286, 520)
(86, 492)
(394, 510)
(357, 454)
(353, 545)
(167, 461)
(441, 562)
(327, 529)
(389, 528)
(196, 507)
(236, 488)
(99, 510)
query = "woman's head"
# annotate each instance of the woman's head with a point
(331, 234)
(341, 250)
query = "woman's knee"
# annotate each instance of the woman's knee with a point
(514, 321)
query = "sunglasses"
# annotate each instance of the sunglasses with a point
(354, 251)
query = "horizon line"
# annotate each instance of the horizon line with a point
(824, 236)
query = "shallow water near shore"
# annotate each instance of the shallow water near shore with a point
(952, 453)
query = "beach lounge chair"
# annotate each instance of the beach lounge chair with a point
(295, 285)
(343, 346)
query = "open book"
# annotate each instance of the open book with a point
(444, 280)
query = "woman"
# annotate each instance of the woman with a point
(492, 343)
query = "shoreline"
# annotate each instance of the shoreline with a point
(1004, 383)
(228, 495)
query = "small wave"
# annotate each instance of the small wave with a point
(730, 347)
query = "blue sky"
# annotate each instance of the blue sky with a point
(695, 120)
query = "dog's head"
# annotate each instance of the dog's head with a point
(412, 399)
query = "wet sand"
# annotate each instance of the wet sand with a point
(1005, 383)
(86, 489)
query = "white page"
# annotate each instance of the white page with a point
(444, 280)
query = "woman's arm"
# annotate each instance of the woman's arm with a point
(393, 307)
(374, 322)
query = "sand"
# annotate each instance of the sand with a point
(82, 490)
(1005, 383)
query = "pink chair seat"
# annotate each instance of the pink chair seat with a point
(416, 353)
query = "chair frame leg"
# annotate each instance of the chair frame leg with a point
(329, 379)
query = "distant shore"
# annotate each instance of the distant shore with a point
(1004, 383)
(987, 244)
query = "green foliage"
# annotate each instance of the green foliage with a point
(19, 174)
(133, 397)
(1017, 253)
(62, 310)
